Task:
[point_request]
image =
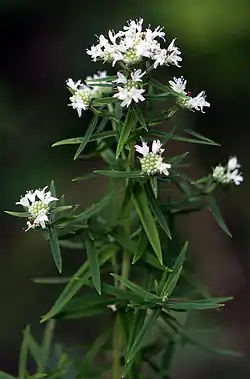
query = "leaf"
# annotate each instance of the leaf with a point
(78, 280)
(92, 211)
(105, 100)
(144, 331)
(156, 209)
(181, 138)
(46, 344)
(35, 351)
(93, 263)
(173, 277)
(199, 136)
(120, 174)
(79, 140)
(139, 291)
(3, 375)
(140, 117)
(140, 247)
(212, 303)
(55, 248)
(24, 354)
(141, 204)
(212, 206)
(127, 127)
(87, 136)
(18, 214)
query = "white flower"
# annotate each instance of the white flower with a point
(198, 103)
(132, 44)
(178, 84)
(130, 90)
(98, 91)
(228, 174)
(185, 100)
(81, 99)
(173, 55)
(73, 85)
(36, 203)
(152, 162)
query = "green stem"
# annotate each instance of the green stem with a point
(126, 262)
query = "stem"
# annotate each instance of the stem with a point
(126, 262)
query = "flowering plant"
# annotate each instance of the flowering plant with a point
(130, 233)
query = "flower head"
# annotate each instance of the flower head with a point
(229, 173)
(131, 90)
(152, 161)
(132, 44)
(81, 99)
(37, 204)
(184, 99)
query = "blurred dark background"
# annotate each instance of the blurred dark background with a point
(44, 43)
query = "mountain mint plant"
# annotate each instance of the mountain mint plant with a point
(136, 269)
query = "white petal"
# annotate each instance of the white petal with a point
(24, 202)
(156, 146)
(144, 149)
(232, 164)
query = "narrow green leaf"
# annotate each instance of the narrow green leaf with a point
(79, 140)
(105, 100)
(199, 136)
(141, 336)
(35, 351)
(141, 204)
(52, 280)
(93, 263)
(87, 136)
(92, 210)
(120, 174)
(140, 247)
(136, 322)
(139, 291)
(127, 127)
(46, 344)
(24, 354)
(212, 206)
(173, 277)
(78, 280)
(183, 139)
(156, 209)
(140, 117)
(18, 214)
(212, 303)
(3, 375)
(55, 248)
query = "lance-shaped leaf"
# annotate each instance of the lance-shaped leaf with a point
(173, 276)
(55, 248)
(127, 127)
(79, 140)
(78, 280)
(212, 303)
(141, 204)
(139, 291)
(87, 136)
(46, 344)
(18, 214)
(200, 137)
(24, 354)
(93, 262)
(120, 174)
(213, 207)
(3, 375)
(145, 330)
(156, 209)
(140, 246)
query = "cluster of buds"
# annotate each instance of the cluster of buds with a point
(228, 174)
(37, 204)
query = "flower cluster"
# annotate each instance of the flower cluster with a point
(184, 99)
(131, 88)
(152, 161)
(228, 174)
(133, 44)
(36, 203)
(82, 94)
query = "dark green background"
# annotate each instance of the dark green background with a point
(43, 43)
